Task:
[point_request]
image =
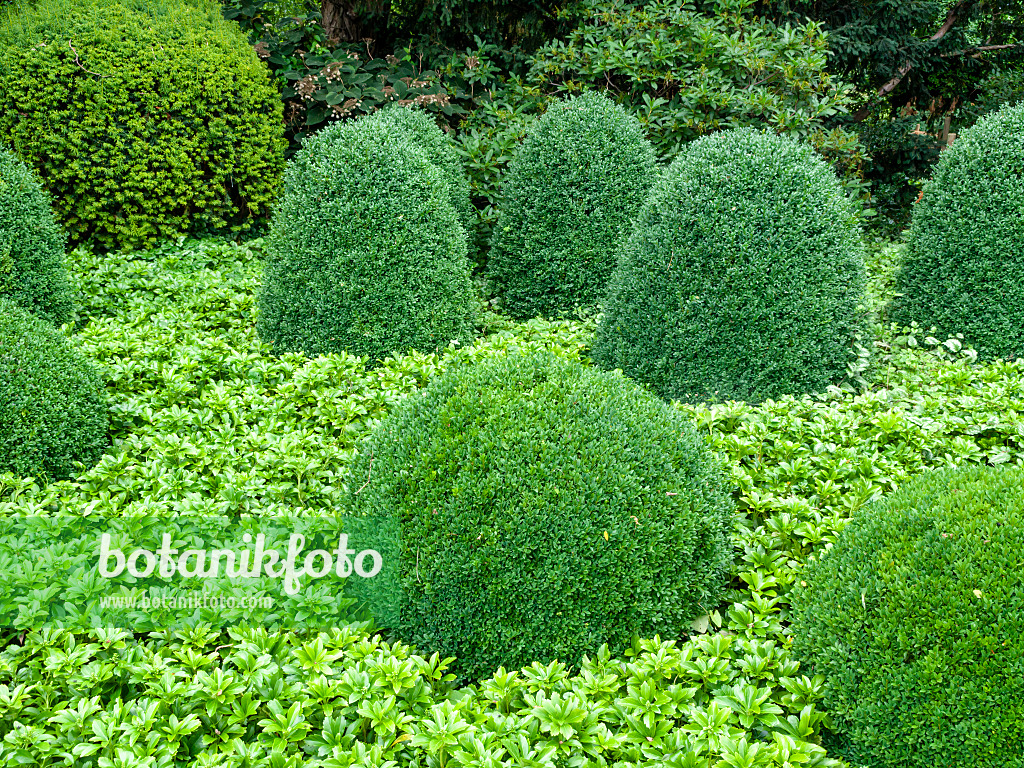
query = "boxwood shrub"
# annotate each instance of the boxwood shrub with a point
(366, 252)
(32, 271)
(574, 186)
(742, 278)
(546, 508)
(422, 129)
(916, 620)
(964, 269)
(143, 119)
(52, 406)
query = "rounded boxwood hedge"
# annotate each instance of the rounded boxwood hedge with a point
(916, 619)
(422, 129)
(964, 267)
(574, 186)
(546, 508)
(366, 253)
(52, 405)
(742, 278)
(143, 118)
(32, 271)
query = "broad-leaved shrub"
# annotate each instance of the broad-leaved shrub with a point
(143, 119)
(546, 509)
(742, 278)
(964, 270)
(366, 252)
(916, 620)
(52, 405)
(32, 271)
(574, 186)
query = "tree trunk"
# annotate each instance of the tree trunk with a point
(346, 21)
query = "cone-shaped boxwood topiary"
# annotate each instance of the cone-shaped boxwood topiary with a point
(143, 118)
(32, 272)
(574, 186)
(742, 278)
(366, 252)
(52, 406)
(546, 508)
(423, 131)
(964, 268)
(916, 620)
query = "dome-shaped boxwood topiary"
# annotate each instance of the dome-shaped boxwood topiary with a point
(32, 272)
(546, 508)
(573, 187)
(366, 252)
(742, 278)
(52, 407)
(916, 620)
(423, 131)
(144, 119)
(964, 268)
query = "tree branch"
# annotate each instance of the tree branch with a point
(951, 18)
(980, 49)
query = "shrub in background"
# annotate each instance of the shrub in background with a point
(546, 508)
(742, 277)
(52, 405)
(423, 131)
(32, 271)
(964, 268)
(143, 119)
(366, 252)
(916, 620)
(574, 186)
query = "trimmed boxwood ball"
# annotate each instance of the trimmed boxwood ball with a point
(366, 253)
(422, 129)
(742, 278)
(915, 618)
(546, 508)
(144, 119)
(572, 189)
(32, 271)
(964, 267)
(52, 405)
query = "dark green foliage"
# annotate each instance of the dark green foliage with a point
(742, 277)
(424, 133)
(573, 188)
(366, 253)
(547, 508)
(144, 118)
(916, 620)
(32, 272)
(964, 269)
(52, 405)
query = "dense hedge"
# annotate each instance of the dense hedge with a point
(742, 277)
(422, 129)
(574, 186)
(32, 271)
(916, 620)
(52, 406)
(547, 508)
(366, 253)
(964, 270)
(143, 118)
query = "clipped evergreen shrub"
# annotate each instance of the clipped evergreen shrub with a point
(143, 118)
(964, 267)
(916, 620)
(32, 271)
(422, 129)
(52, 406)
(546, 508)
(742, 277)
(366, 253)
(574, 186)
